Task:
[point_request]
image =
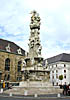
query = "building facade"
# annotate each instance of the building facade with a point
(11, 61)
(59, 65)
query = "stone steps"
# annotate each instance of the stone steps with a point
(33, 90)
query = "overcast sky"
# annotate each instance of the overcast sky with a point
(55, 24)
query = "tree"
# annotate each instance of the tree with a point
(61, 78)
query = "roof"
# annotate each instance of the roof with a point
(13, 47)
(61, 57)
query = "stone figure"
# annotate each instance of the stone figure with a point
(39, 51)
(35, 16)
(19, 51)
(32, 43)
(8, 48)
(34, 40)
(23, 63)
(32, 61)
(46, 64)
(35, 20)
(39, 65)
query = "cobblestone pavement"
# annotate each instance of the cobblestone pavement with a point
(31, 96)
(6, 97)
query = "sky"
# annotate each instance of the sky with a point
(55, 24)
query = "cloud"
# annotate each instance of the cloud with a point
(55, 23)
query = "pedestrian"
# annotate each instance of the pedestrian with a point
(65, 89)
(68, 90)
(3, 84)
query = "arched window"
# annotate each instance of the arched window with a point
(19, 66)
(7, 64)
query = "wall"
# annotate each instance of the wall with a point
(60, 67)
(14, 58)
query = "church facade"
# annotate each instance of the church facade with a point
(11, 61)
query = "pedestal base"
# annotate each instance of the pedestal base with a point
(32, 88)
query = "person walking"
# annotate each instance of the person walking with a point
(65, 89)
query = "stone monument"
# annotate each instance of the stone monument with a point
(33, 69)
(35, 77)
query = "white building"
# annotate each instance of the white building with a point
(59, 65)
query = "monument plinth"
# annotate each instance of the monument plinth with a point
(33, 69)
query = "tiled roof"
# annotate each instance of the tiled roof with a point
(61, 57)
(13, 46)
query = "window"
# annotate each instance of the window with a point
(52, 71)
(56, 71)
(52, 66)
(53, 83)
(53, 77)
(56, 65)
(65, 76)
(19, 66)
(56, 75)
(7, 64)
(64, 71)
(57, 83)
(64, 65)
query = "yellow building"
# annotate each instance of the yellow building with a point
(11, 57)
